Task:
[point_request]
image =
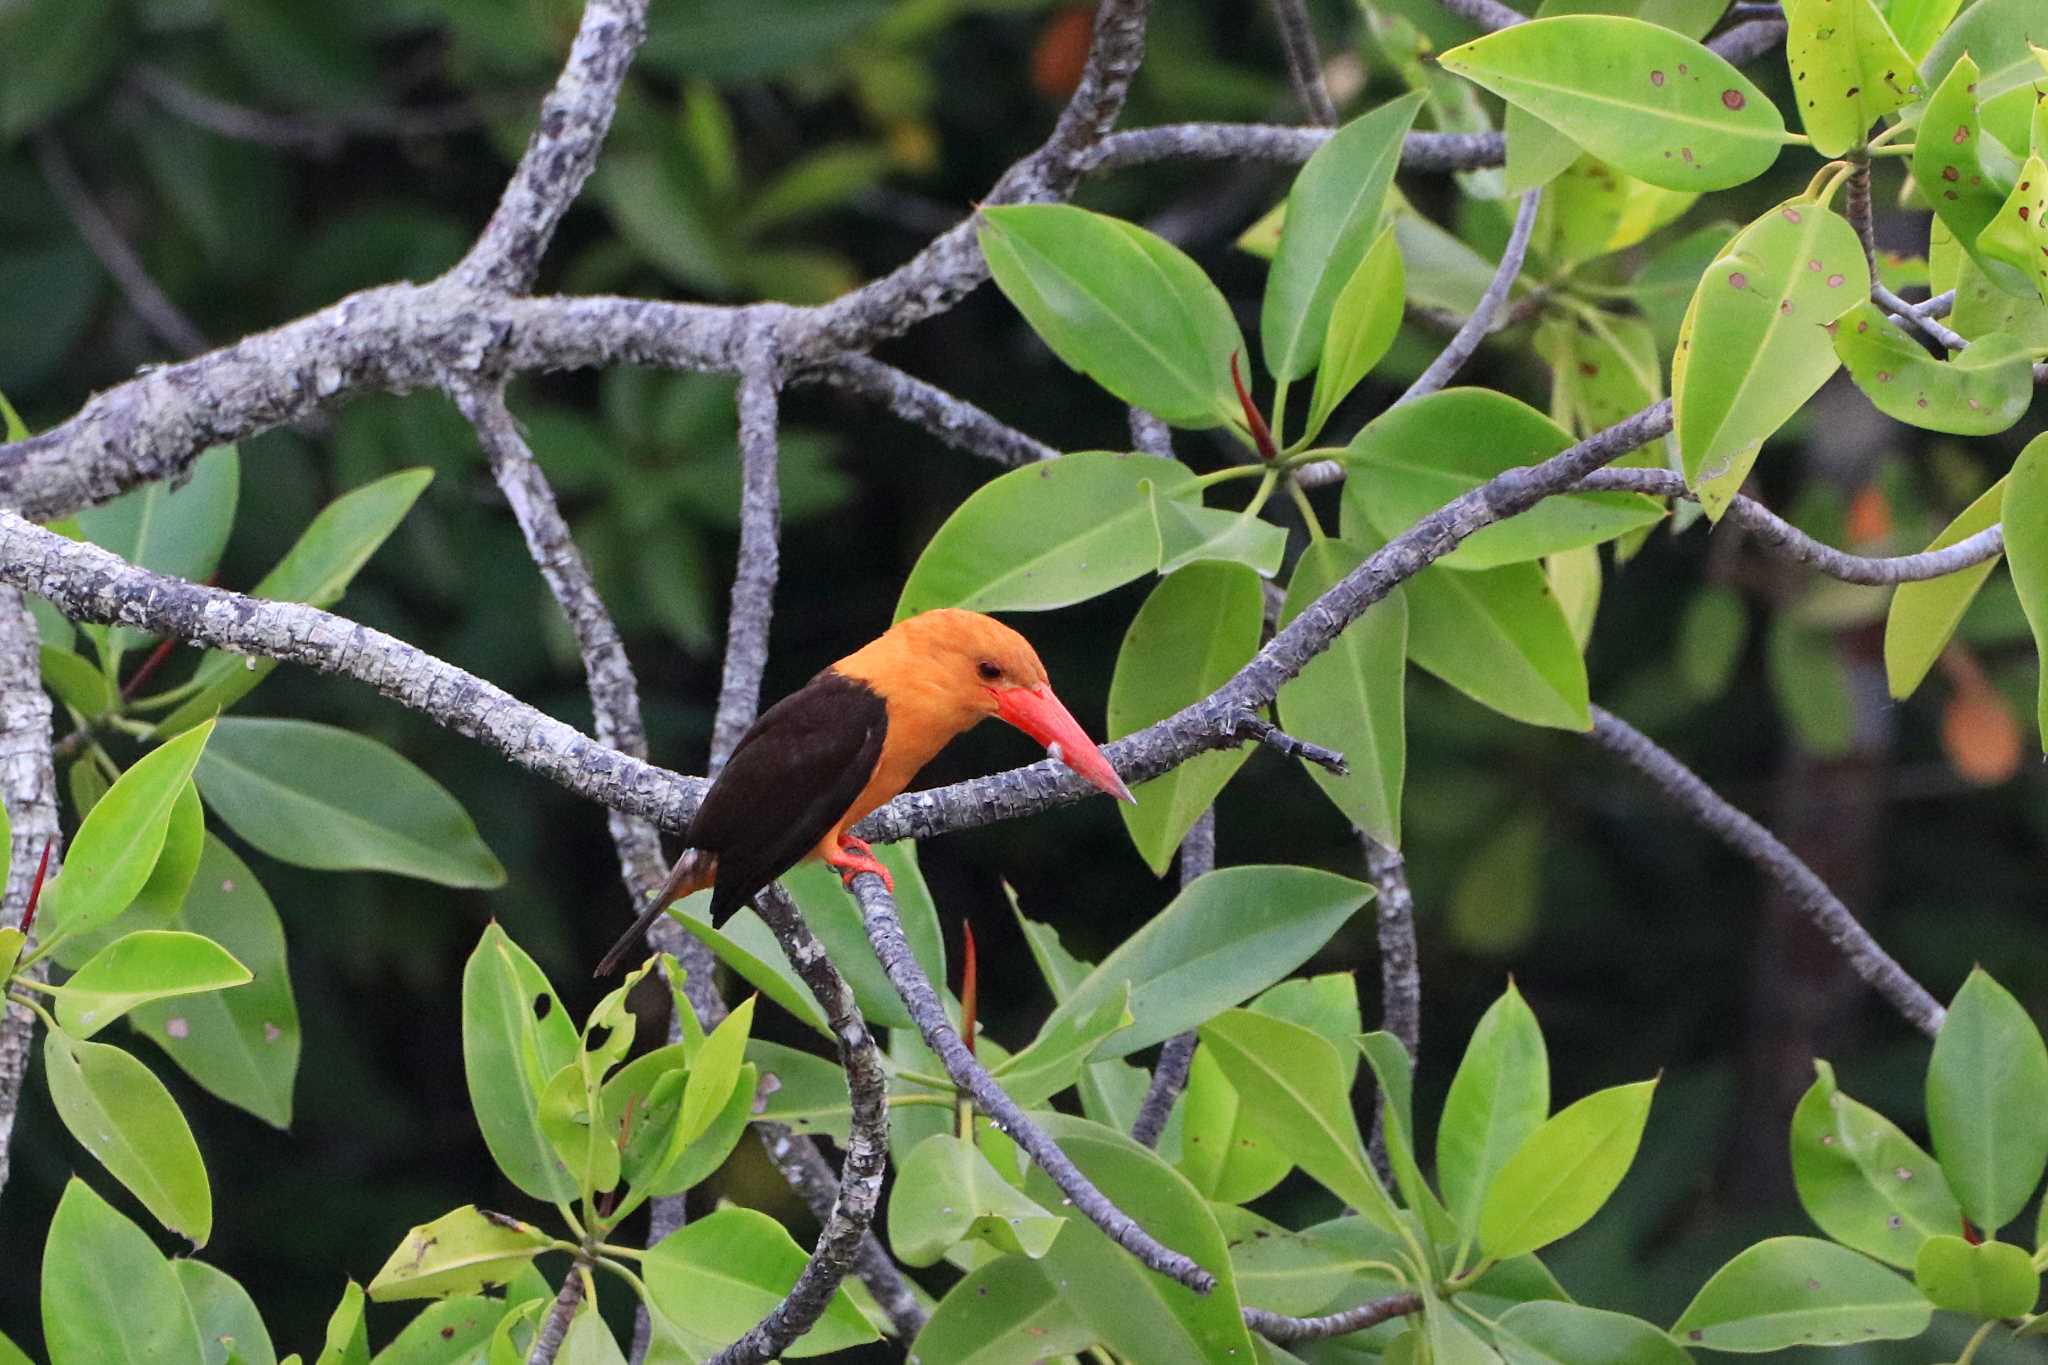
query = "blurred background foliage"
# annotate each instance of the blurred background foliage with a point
(265, 157)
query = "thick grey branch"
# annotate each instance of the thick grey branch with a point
(1787, 541)
(562, 151)
(1283, 146)
(953, 420)
(29, 787)
(753, 587)
(1170, 1074)
(1794, 878)
(1745, 43)
(1283, 1330)
(1400, 968)
(547, 1344)
(1149, 434)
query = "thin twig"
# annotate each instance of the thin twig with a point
(317, 135)
(144, 294)
(1795, 880)
(885, 932)
(1282, 1330)
(1787, 541)
(548, 1343)
(1304, 64)
(1400, 967)
(955, 421)
(1170, 1074)
(1490, 15)
(1919, 316)
(1454, 355)
(1280, 145)
(29, 786)
(1856, 205)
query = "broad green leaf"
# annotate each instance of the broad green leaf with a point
(1799, 1291)
(1333, 216)
(77, 682)
(1652, 102)
(117, 844)
(1443, 271)
(515, 1035)
(229, 1325)
(108, 1295)
(122, 1114)
(461, 1252)
(1008, 1312)
(747, 946)
(1917, 23)
(179, 533)
(1964, 173)
(1047, 535)
(946, 1193)
(1305, 1272)
(1999, 35)
(322, 797)
(1395, 1071)
(1124, 307)
(150, 964)
(714, 1071)
(809, 1093)
(1057, 1056)
(157, 904)
(835, 919)
(1865, 1183)
(2025, 514)
(717, 1275)
(1196, 629)
(1848, 70)
(1574, 577)
(1603, 368)
(1924, 615)
(448, 1332)
(1224, 1150)
(1451, 1341)
(348, 1339)
(1990, 1137)
(1293, 1082)
(243, 1044)
(639, 1105)
(589, 1341)
(2018, 234)
(317, 569)
(1500, 637)
(1364, 320)
(1189, 533)
(1351, 697)
(1561, 1175)
(1754, 345)
(1990, 1280)
(12, 941)
(694, 1164)
(1550, 1333)
(1224, 938)
(1136, 1313)
(1593, 210)
(1980, 392)
(1499, 1096)
(1415, 458)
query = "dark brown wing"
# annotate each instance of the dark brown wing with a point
(795, 772)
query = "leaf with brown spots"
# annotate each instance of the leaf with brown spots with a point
(1848, 70)
(2018, 236)
(1963, 171)
(1981, 391)
(1594, 210)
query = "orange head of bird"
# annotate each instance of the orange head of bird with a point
(976, 667)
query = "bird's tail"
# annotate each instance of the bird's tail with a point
(694, 871)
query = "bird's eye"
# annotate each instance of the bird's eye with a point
(988, 671)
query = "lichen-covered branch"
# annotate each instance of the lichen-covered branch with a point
(760, 555)
(1283, 146)
(554, 1329)
(955, 421)
(28, 784)
(1282, 1330)
(1400, 964)
(1769, 855)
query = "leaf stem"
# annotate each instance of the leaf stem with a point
(1209, 480)
(1308, 511)
(1977, 1339)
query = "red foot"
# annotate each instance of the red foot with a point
(855, 857)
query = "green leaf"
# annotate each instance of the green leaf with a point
(1811, 684)
(1364, 319)
(1917, 23)
(1500, 637)
(1224, 1151)
(714, 1071)
(1196, 629)
(1603, 368)
(1394, 1070)
(1056, 1058)
(1124, 307)
(317, 569)
(348, 1340)
(1305, 1272)
(1415, 458)
(1651, 101)
(12, 941)
(1333, 216)
(1593, 210)
(1865, 1183)
(461, 1252)
(122, 1114)
(946, 1193)
(1225, 937)
(156, 906)
(150, 964)
(1989, 1065)
(1980, 392)
(1991, 1280)
(515, 1035)
(1498, 1098)
(116, 848)
(77, 682)
(2018, 234)
(1963, 172)
(177, 533)
(1561, 1175)
(322, 797)
(1189, 533)
(1008, 1312)
(1351, 697)
(447, 1332)
(747, 946)
(1137, 1314)
(108, 1295)
(1999, 34)
(1048, 535)
(1754, 345)
(1293, 1082)
(1848, 70)
(1924, 615)
(808, 1092)
(1451, 1342)
(1548, 1333)
(242, 1045)
(229, 1325)
(835, 919)
(716, 1276)
(1799, 1291)
(2025, 513)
